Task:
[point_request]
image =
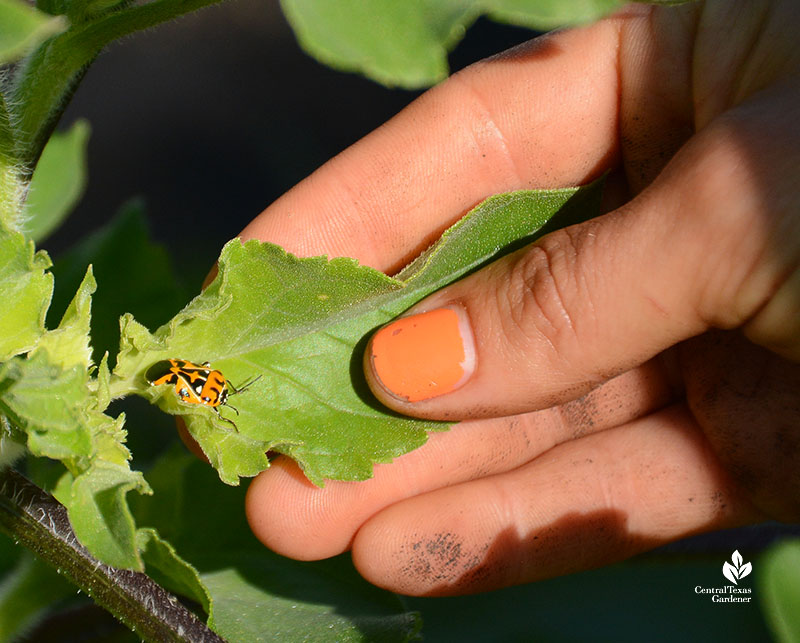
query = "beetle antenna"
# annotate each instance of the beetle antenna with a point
(244, 386)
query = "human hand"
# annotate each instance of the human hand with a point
(636, 377)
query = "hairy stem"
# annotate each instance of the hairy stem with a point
(35, 519)
(12, 186)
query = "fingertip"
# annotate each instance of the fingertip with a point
(288, 514)
(430, 546)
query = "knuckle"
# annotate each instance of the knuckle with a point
(544, 292)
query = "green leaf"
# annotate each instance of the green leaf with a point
(257, 595)
(133, 272)
(22, 27)
(169, 570)
(24, 280)
(300, 325)
(68, 345)
(549, 14)
(99, 514)
(406, 43)
(396, 43)
(58, 181)
(49, 396)
(253, 593)
(48, 403)
(779, 589)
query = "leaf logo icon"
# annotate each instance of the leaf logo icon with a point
(734, 573)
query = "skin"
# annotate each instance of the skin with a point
(636, 376)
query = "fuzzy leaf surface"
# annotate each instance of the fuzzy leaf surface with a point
(98, 511)
(25, 281)
(68, 344)
(48, 403)
(300, 325)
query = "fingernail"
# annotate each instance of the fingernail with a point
(426, 355)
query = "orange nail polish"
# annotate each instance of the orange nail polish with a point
(425, 355)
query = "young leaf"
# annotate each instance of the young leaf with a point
(68, 345)
(300, 325)
(98, 511)
(25, 281)
(58, 181)
(134, 274)
(22, 27)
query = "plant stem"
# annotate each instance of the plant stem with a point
(13, 189)
(12, 186)
(35, 519)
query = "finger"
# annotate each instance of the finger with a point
(297, 519)
(702, 247)
(586, 503)
(745, 398)
(543, 115)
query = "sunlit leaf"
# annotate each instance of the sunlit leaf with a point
(99, 513)
(24, 280)
(300, 325)
(134, 274)
(68, 344)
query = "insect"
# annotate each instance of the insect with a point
(197, 384)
